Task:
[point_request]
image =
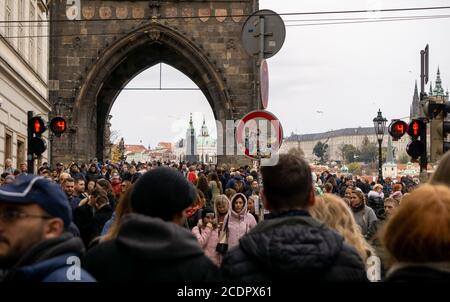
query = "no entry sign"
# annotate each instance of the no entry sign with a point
(258, 134)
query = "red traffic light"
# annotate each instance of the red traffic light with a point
(415, 128)
(415, 149)
(37, 125)
(397, 129)
(58, 125)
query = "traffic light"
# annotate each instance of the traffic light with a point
(58, 125)
(397, 129)
(417, 130)
(437, 110)
(36, 126)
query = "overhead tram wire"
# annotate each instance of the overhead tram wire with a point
(237, 15)
(374, 20)
(153, 88)
(285, 20)
(367, 21)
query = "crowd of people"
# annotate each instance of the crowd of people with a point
(180, 222)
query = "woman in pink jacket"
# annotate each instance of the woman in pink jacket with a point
(240, 222)
(207, 234)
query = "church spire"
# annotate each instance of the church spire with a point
(415, 106)
(390, 151)
(416, 92)
(204, 130)
(431, 89)
(191, 123)
(438, 90)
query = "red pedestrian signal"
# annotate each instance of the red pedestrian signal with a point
(58, 125)
(415, 128)
(37, 125)
(36, 144)
(397, 129)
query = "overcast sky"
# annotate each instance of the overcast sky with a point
(329, 76)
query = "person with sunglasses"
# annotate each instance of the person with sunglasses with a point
(35, 241)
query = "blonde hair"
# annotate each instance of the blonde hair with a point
(221, 199)
(335, 213)
(419, 230)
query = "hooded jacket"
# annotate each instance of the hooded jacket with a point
(238, 224)
(293, 248)
(51, 261)
(150, 249)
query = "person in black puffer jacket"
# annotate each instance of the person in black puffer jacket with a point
(290, 244)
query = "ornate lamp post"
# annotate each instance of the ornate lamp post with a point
(379, 123)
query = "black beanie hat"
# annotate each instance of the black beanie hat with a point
(162, 192)
(206, 211)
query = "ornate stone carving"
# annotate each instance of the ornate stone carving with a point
(88, 12)
(204, 14)
(221, 14)
(122, 12)
(105, 12)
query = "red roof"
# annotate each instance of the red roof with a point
(165, 145)
(135, 148)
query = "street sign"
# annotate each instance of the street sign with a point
(274, 33)
(264, 83)
(258, 134)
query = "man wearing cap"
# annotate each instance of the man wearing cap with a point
(152, 244)
(34, 243)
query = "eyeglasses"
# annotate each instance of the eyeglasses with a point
(12, 216)
(210, 215)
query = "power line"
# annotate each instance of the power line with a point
(359, 18)
(153, 88)
(366, 21)
(237, 15)
(344, 21)
(285, 20)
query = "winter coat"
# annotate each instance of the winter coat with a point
(91, 176)
(238, 224)
(90, 222)
(193, 218)
(215, 191)
(419, 272)
(232, 181)
(293, 248)
(150, 249)
(375, 200)
(48, 261)
(208, 239)
(192, 177)
(364, 218)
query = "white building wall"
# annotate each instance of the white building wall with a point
(23, 77)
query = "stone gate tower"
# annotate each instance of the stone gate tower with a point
(97, 47)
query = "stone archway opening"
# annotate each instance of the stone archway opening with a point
(145, 116)
(128, 57)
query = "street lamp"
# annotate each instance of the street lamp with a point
(379, 123)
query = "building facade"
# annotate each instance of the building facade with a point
(23, 74)
(201, 148)
(335, 139)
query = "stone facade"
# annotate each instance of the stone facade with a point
(109, 42)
